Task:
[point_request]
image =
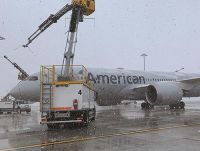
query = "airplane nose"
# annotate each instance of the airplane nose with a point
(26, 90)
(15, 92)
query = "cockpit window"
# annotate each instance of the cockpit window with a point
(33, 78)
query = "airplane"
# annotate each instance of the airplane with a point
(115, 85)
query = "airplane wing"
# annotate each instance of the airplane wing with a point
(137, 87)
(188, 84)
(185, 83)
(138, 91)
(195, 81)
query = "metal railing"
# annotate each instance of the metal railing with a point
(53, 75)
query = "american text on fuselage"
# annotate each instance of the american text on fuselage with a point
(116, 79)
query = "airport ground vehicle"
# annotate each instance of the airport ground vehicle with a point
(67, 101)
(14, 106)
(67, 97)
(23, 106)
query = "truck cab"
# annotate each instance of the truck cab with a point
(22, 106)
(10, 106)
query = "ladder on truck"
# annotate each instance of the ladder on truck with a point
(46, 93)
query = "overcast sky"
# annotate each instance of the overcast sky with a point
(167, 30)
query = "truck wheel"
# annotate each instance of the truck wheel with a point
(19, 110)
(86, 119)
(53, 126)
(86, 122)
(50, 126)
(94, 118)
(182, 105)
(28, 112)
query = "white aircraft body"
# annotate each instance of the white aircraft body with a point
(114, 85)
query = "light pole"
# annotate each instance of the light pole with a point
(2, 38)
(144, 56)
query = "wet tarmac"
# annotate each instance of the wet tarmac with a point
(122, 127)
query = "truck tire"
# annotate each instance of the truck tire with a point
(53, 126)
(28, 112)
(94, 118)
(86, 119)
(50, 126)
(19, 110)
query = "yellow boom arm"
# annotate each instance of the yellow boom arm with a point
(88, 6)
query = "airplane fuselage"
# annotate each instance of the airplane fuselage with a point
(112, 85)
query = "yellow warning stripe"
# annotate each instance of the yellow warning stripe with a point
(97, 137)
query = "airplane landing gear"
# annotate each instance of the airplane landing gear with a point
(180, 105)
(146, 106)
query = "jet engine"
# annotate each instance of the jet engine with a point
(163, 93)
